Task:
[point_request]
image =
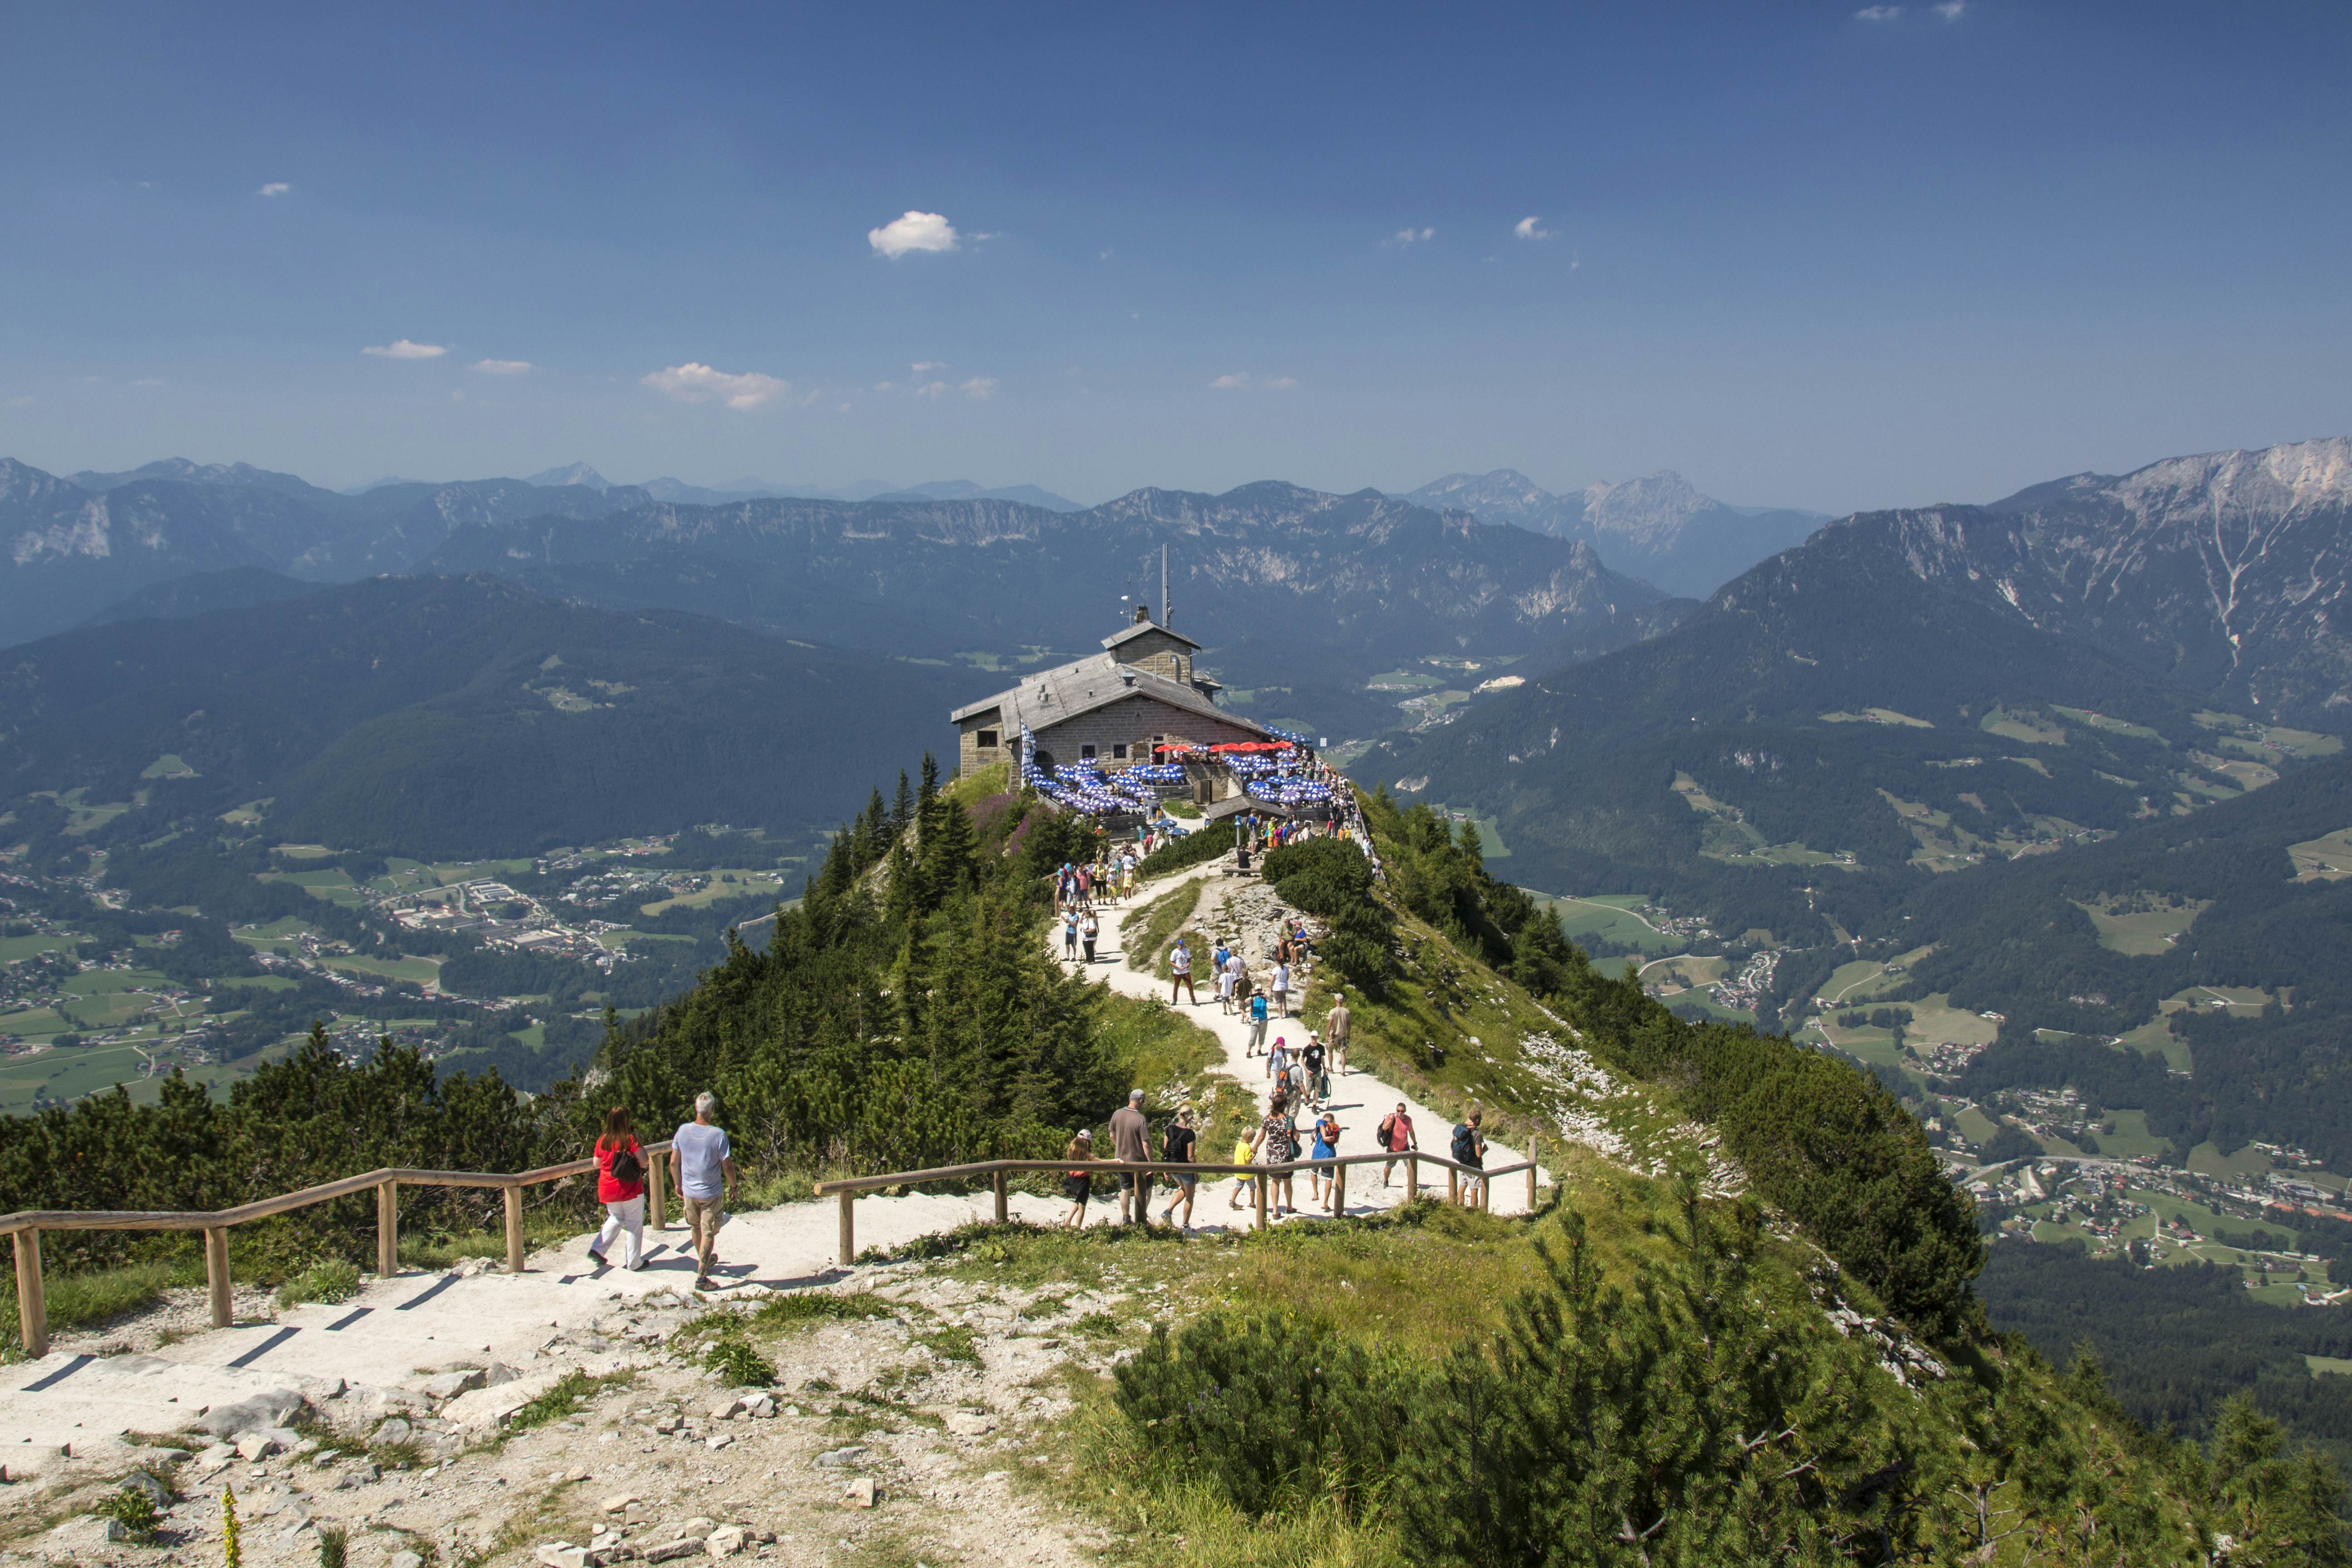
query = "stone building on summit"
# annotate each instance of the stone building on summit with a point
(1112, 708)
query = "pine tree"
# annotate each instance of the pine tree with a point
(902, 809)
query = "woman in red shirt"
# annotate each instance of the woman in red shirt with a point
(621, 1188)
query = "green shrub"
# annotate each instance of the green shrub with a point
(329, 1282)
(1195, 848)
(738, 1364)
(1268, 1410)
(135, 1510)
(558, 1402)
(333, 1541)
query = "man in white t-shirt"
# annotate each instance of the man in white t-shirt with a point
(706, 1181)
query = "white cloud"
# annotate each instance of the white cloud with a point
(925, 366)
(979, 386)
(504, 366)
(1878, 12)
(400, 348)
(1530, 227)
(912, 231)
(1410, 236)
(457, 395)
(692, 383)
(1228, 383)
(1952, 10)
(932, 389)
(274, 188)
(886, 387)
(1280, 384)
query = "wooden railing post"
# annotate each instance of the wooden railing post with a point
(1263, 1183)
(217, 1275)
(1531, 1174)
(387, 1229)
(1453, 1185)
(1003, 1199)
(1340, 1191)
(514, 1230)
(657, 1192)
(848, 1229)
(1411, 1178)
(32, 1303)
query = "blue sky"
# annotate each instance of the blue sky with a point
(1807, 255)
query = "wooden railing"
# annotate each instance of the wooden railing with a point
(997, 1171)
(27, 1224)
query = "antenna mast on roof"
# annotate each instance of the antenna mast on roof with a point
(1163, 584)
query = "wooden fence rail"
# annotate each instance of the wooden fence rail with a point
(847, 1188)
(27, 1224)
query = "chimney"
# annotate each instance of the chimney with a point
(1142, 614)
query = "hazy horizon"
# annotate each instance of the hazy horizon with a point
(1820, 256)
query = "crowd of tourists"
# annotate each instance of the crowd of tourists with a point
(1277, 1142)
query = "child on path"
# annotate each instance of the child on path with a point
(1323, 1188)
(1070, 933)
(1277, 1060)
(1077, 1183)
(1244, 1153)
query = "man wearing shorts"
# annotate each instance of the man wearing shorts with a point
(1130, 1142)
(1396, 1136)
(706, 1180)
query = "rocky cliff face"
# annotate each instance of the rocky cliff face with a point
(2224, 572)
(1661, 527)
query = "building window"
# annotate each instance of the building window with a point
(1118, 751)
(1086, 753)
(987, 740)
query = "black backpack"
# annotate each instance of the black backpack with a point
(626, 1166)
(1465, 1145)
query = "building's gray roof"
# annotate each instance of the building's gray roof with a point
(1052, 696)
(1129, 634)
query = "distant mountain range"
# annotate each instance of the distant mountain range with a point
(1292, 589)
(1658, 528)
(454, 716)
(76, 546)
(1903, 656)
(758, 490)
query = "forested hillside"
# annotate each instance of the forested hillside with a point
(906, 1013)
(2022, 940)
(454, 716)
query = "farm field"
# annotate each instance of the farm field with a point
(2324, 859)
(2028, 727)
(1612, 918)
(746, 882)
(2142, 931)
